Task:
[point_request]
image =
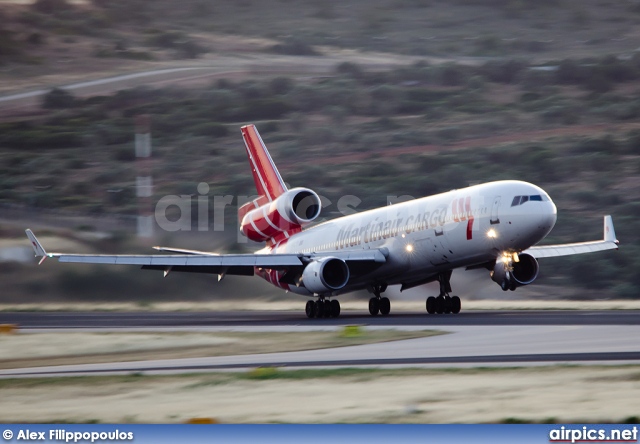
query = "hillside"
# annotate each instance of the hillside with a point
(541, 91)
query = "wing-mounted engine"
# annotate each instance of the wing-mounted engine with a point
(286, 214)
(325, 275)
(512, 271)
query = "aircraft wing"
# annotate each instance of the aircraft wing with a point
(184, 251)
(205, 262)
(609, 242)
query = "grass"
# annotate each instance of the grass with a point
(268, 373)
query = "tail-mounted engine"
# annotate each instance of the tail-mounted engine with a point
(288, 213)
(325, 275)
(513, 271)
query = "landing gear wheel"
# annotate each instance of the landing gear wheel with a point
(335, 308)
(320, 307)
(431, 305)
(310, 309)
(505, 285)
(385, 306)
(447, 304)
(374, 306)
(440, 304)
(456, 305)
(327, 309)
(513, 286)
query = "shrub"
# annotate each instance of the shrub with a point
(449, 133)
(503, 72)
(211, 129)
(124, 154)
(179, 41)
(281, 85)
(452, 75)
(294, 46)
(567, 115)
(488, 44)
(572, 73)
(36, 38)
(51, 6)
(8, 46)
(350, 69)
(58, 98)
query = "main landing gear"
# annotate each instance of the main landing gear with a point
(322, 308)
(378, 304)
(444, 304)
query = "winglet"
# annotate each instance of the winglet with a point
(609, 232)
(37, 246)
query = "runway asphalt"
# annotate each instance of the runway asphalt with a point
(297, 318)
(476, 338)
(464, 346)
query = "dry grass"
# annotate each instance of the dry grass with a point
(560, 394)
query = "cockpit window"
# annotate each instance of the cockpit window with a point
(519, 200)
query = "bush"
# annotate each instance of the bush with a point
(615, 70)
(58, 98)
(51, 6)
(503, 72)
(571, 73)
(350, 69)
(281, 85)
(452, 75)
(179, 41)
(449, 133)
(8, 46)
(211, 129)
(566, 115)
(261, 109)
(294, 46)
(488, 44)
(35, 38)
(124, 154)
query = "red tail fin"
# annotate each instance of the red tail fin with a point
(265, 174)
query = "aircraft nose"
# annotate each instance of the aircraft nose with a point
(549, 215)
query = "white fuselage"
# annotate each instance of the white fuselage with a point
(423, 237)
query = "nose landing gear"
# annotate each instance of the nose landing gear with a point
(443, 303)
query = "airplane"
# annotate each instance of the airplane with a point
(495, 225)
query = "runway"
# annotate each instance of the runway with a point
(475, 338)
(108, 320)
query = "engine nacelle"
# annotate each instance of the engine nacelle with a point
(290, 211)
(325, 275)
(511, 274)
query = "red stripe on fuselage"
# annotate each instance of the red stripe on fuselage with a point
(467, 205)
